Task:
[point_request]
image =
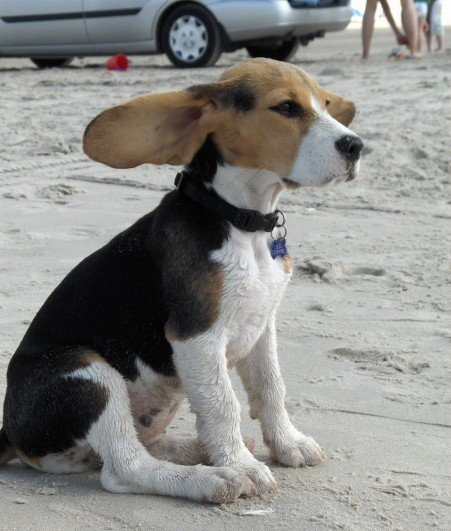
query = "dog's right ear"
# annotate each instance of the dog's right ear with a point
(166, 128)
(341, 109)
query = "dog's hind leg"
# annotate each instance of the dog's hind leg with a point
(71, 461)
(185, 450)
(179, 449)
(127, 465)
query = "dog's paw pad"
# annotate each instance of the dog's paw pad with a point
(226, 486)
(298, 451)
(260, 475)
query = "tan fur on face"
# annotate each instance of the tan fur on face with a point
(171, 127)
(261, 138)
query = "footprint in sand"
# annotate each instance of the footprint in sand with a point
(58, 193)
(374, 272)
(379, 361)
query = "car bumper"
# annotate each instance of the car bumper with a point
(257, 19)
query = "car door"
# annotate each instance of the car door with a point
(118, 20)
(41, 22)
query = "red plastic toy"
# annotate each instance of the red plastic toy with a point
(119, 62)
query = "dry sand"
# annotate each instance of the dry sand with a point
(363, 329)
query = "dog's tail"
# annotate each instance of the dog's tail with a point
(6, 450)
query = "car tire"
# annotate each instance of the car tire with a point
(283, 52)
(56, 62)
(191, 37)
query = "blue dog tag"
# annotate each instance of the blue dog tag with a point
(279, 248)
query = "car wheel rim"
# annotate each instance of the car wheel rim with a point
(188, 38)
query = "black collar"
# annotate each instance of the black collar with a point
(242, 218)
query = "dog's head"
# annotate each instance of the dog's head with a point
(260, 114)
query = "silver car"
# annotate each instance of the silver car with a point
(192, 34)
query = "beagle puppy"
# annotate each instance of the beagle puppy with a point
(167, 306)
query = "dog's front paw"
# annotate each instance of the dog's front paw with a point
(257, 472)
(295, 449)
(224, 485)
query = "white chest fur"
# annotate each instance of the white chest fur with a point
(253, 287)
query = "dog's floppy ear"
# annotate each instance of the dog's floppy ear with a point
(157, 128)
(339, 108)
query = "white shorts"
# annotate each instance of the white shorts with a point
(422, 9)
(435, 25)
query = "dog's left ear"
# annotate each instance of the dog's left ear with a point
(339, 108)
(164, 128)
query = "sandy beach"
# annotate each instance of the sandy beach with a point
(363, 329)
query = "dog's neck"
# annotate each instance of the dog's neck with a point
(248, 187)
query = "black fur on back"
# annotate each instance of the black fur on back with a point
(116, 303)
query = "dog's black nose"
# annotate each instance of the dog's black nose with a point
(350, 147)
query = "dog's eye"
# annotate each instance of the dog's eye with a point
(327, 103)
(288, 108)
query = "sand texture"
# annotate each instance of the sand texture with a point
(363, 329)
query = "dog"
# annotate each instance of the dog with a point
(192, 288)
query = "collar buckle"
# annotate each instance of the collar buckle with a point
(272, 218)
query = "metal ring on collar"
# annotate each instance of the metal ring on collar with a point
(279, 237)
(283, 219)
